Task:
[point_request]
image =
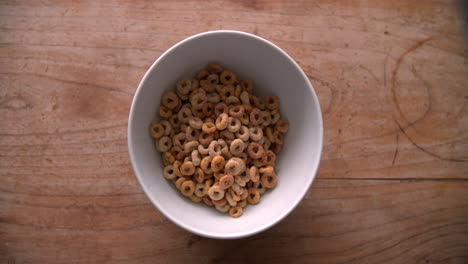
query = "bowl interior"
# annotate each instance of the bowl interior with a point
(273, 72)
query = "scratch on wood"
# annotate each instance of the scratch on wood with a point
(396, 149)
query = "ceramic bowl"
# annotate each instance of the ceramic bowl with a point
(273, 72)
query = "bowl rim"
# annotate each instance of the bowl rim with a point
(297, 199)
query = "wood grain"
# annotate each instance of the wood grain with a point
(391, 77)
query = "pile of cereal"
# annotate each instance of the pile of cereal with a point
(218, 140)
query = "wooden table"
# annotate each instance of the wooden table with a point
(392, 81)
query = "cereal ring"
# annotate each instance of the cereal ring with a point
(235, 211)
(187, 188)
(214, 149)
(179, 182)
(265, 118)
(282, 126)
(255, 150)
(207, 86)
(198, 100)
(157, 130)
(167, 127)
(242, 203)
(195, 198)
(270, 158)
(274, 118)
(208, 127)
(243, 156)
(269, 134)
(220, 108)
(213, 98)
(218, 175)
(234, 166)
(279, 137)
(187, 168)
(195, 122)
(202, 74)
(254, 175)
(165, 112)
(233, 124)
(226, 91)
(223, 209)
(236, 147)
(247, 85)
(244, 97)
(237, 91)
(184, 86)
(169, 172)
(200, 190)
(168, 158)
(255, 116)
(207, 201)
(237, 189)
(221, 202)
(258, 162)
(176, 166)
(253, 196)
(205, 164)
(179, 139)
(213, 79)
(254, 101)
(216, 193)
(191, 134)
(205, 138)
(247, 108)
(228, 77)
(232, 100)
(222, 121)
(276, 148)
(208, 109)
(226, 135)
(261, 104)
(184, 114)
(202, 150)
(236, 111)
(177, 153)
(269, 181)
(240, 181)
(243, 133)
(261, 189)
(229, 199)
(217, 164)
(234, 196)
(199, 175)
(244, 194)
(214, 68)
(245, 119)
(271, 102)
(164, 144)
(198, 112)
(190, 146)
(170, 100)
(175, 121)
(195, 155)
(226, 181)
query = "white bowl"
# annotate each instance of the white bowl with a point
(273, 72)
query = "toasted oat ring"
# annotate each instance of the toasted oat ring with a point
(247, 85)
(226, 181)
(164, 144)
(202, 149)
(208, 109)
(214, 68)
(184, 86)
(169, 172)
(215, 148)
(165, 112)
(271, 102)
(254, 175)
(179, 139)
(269, 180)
(216, 193)
(217, 164)
(228, 77)
(195, 122)
(236, 147)
(229, 199)
(282, 126)
(243, 133)
(220, 202)
(205, 138)
(234, 124)
(236, 111)
(195, 198)
(222, 209)
(196, 158)
(279, 137)
(200, 190)
(199, 175)
(190, 146)
(269, 134)
(235, 211)
(270, 158)
(170, 100)
(187, 168)
(222, 121)
(209, 127)
(191, 134)
(168, 157)
(187, 188)
(184, 114)
(265, 118)
(274, 118)
(179, 181)
(177, 153)
(255, 150)
(234, 196)
(232, 100)
(202, 74)
(175, 121)
(167, 127)
(220, 108)
(242, 203)
(157, 130)
(205, 164)
(234, 166)
(253, 196)
(255, 116)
